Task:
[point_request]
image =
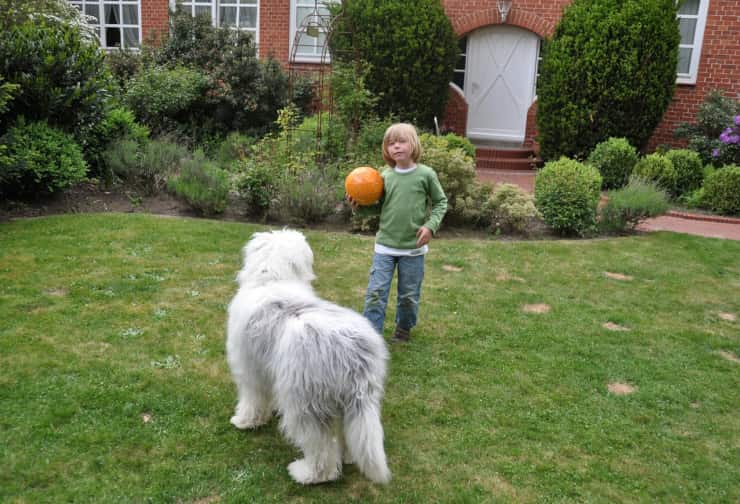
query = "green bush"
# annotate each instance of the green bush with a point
(118, 123)
(234, 149)
(244, 93)
(123, 64)
(455, 170)
(162, 97)
(722, 190)
(614, 158)
(659, 169)
(257, 186)
(609, 71)
(630, 205)
(411, 48)
(689, 169)
(145, 167)
(202, 184)
(307, 197)
(62, 77)
(715, 114)
(39, 159)
(567, 194)
(511, 208)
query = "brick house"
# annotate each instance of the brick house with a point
(499, 57)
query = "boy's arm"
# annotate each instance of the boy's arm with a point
(439, 204)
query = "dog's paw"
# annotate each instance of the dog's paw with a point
(305, 474)
(250, 422)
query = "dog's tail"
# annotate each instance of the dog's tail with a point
(364, 437)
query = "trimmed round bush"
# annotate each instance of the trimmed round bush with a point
(614, 158)
(659, 169)
(39, 159)
(567, 194)
(511, 208)
(689, 169)
(722, 190)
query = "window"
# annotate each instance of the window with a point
(238, 14)
(459, 76)
(692, 16)
(117, 22)
(310, 42)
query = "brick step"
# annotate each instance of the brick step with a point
(491, 153)
(505, 164)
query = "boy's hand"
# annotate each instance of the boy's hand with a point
(351, 202)
(423, 236)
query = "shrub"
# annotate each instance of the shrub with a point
(609, 70)
(714, 115)
(567, 194)
(722, 190)
(162, 97)
(511, 208)
(39, 158)
(202, 184)
(257, 186)
(630, 205)
(411, 48)
(234, 148)
(117, 124)
(62, 78)
(659, 169)
(307, 197)
(145, 167)
(455, 169)
(123, 64)
(689, 169)
(614, 158)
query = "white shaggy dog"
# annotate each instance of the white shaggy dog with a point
(320, 366)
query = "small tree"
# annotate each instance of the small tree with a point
(609, 70)
(411, 48)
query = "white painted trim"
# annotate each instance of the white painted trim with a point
(701, 22)
(292, 33)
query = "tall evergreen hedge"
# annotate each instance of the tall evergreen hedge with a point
(412, 50)
(609, 70)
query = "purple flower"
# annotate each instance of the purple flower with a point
(715, 153)
(737, 120)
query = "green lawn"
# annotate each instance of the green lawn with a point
(114, 386)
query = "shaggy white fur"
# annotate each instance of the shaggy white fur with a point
(320, 366)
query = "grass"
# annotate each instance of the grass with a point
(114, 386)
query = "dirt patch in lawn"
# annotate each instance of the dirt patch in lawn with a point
(729, 317)
(617, 276)
(729, 356)
(611, 326)
(618, 388)
(536, 308)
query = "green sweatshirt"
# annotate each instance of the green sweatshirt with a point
(404, 207)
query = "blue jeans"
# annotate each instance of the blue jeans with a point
(410, 275)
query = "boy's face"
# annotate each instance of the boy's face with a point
(399, 149)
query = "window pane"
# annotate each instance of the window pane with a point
(228, 16)
(203, 10)
(459, 79)
(302, 13)
(306, 45)
(130, 14)
(689, 7)
(248, 17)
(131, 37)
(94, 11)
(112, 37)
(112, 15)
(687, 27)
(684, 60)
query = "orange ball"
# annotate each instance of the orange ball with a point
(364, 185)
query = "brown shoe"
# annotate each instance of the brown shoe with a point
(401, 335)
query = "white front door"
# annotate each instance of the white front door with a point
(499, 83)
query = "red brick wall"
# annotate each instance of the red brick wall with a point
(274, 28)
(154, 17)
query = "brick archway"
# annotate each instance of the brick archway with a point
(465, 23)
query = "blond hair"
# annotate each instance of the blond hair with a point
(403, 131)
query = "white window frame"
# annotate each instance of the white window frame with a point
(304, 58)
(215, 6)
(101, 25)
(696, 45)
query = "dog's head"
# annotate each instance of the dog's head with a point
(277, 256)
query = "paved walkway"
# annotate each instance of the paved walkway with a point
(678, 222)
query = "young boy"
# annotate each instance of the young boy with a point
(406, 227)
